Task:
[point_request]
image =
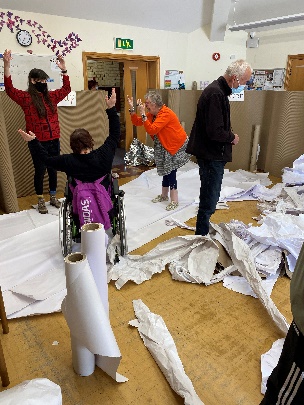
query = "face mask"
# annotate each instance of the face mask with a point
(41, 87)
(238, 89)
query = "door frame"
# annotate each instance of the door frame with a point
(153, 65)
(153, 74)
(288, 68)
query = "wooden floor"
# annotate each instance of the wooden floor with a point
(219, 334)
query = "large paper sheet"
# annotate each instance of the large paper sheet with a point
(159, 342)
(242, 258)
(32, 392)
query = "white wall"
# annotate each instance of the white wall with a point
(275, 46)
(201, 66)
(191, 53)
(98, 37)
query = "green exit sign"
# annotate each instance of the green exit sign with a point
(123, 43)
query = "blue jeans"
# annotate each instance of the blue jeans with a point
(53, 149)
(211, 174)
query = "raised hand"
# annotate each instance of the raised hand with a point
(7, 56)
(27, 136)
(141, 107)
(111, 101)
(130, 102)
(60, 62)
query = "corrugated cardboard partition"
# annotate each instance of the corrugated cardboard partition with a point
(286, 130)
(244, 116)
(279, 113)
(17, 173)
(8, 196)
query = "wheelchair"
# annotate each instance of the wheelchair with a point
(69, 228)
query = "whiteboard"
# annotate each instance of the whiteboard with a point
(21, 64)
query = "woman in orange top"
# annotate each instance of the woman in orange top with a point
(170, 142)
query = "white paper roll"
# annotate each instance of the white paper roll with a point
(83, 360)
(93, 244)
(92, 338)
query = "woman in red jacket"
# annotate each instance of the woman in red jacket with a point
(170, 142)
(41, 117)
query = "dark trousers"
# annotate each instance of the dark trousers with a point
(285, 385)
(169, 180)
(53, 149)
(211, 175)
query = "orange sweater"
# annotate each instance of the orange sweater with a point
(166, 126)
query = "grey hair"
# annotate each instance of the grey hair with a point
(238, 68)
(155, 98)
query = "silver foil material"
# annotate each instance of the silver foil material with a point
(139, 154)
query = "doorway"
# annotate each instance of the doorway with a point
(140, 73)
(294, 80)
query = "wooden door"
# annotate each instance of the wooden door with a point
(294, 80)
(136, 86)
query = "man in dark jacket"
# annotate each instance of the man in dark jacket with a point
(211, 138)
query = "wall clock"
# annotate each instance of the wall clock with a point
(24, 38)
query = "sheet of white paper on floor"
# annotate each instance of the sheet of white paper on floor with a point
(38, 252)
(19, 222)
(241, 285)
(37, 288)
(36, 391)
(269, 360)
(158, 340)
(47, 306)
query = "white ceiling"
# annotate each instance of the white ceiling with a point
(169, 15)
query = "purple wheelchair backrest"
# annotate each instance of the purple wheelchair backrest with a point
(92, 202)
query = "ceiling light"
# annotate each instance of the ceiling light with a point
(266, 23)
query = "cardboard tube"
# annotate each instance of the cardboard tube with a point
(255, 148)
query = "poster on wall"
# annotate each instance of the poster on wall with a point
(267, 79)
(21, 64)
(174, 80)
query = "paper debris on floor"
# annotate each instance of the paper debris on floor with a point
(294, 175)
(158, 340)
(242, 258)
(36, 391)
(199, 252)
(269, 360)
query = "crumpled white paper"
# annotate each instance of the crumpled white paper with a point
(282, 230)
(242, 258)
(183, 252)
(158, 340)
(32, 392)
(269, 360)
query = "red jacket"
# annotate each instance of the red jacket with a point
(47, 128)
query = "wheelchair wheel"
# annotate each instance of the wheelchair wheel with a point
(65, 227)
(122, 223)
